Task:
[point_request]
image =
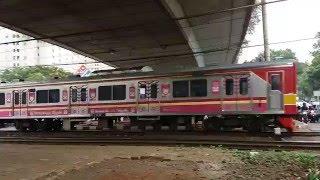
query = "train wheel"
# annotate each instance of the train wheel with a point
(49, 125)
(57, 124)
(168, 123)
(141, 125)
(134, 124)
(183, 124)
(206, 125)
(33, 125)
(157, 126)
(45, 125)
(188, 125)
(213, 124)
(110, 123)
(41, 124)
(22, 125)
(18, 125)
(173, 125)
(254, 125)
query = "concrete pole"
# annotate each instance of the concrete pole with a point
(265, 32)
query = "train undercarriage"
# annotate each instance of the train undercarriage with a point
(250, 123)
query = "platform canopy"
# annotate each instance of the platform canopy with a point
(128, 33)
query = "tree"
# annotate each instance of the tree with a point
(259, 58)
(282, 54)
(301, 67)
(310, 79)
(35, 73)
(254, 19)
(277, 55)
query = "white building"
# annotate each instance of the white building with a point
(35, 52)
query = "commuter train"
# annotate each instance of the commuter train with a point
(254, 96)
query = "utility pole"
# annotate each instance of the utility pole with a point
(265, 32)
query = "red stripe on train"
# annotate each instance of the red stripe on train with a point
(143, 102)
(213, 108)
(290, 109)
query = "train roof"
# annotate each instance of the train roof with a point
(147, 74)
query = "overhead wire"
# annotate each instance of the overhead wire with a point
(208, 50)
(50, 45)
(158, 58)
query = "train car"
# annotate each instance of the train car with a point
(252, 96)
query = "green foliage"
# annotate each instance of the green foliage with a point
(316, 46)
(313, 174)
(309, 80)
(283, 54)
(35, 73)
(277, 55)
(255, 19)
(301, 67)
(304, 88)
(269, 158)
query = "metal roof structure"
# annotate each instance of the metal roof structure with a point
(163, 34)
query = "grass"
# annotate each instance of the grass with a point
(299, 161)
(306, 160)
(313, 174)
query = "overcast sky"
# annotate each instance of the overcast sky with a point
(289, 20)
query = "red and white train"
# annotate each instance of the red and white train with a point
(252, 96)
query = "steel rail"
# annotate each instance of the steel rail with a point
(87, 133)
(170, 140)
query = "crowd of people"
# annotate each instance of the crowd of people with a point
(308, 113)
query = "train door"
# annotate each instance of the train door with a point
(20, 106)
(148, 102)
(229, 100)
(275, 93)
(78, 100)
(244, 98)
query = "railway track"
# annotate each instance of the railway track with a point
(229, 139)
(129, 133)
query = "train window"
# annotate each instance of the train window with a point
(198, 88)
(143, 91)
(243, 83)
(229, 86)
(42, 96)
(16, 98)
(275, 82)
(54, 95)
(24, 98)
(74, 95)
(119, 92)
(83, 94)
(154, 91)
(2, 99)
(104, 93)
(180, 88)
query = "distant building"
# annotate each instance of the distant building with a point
(31, 53)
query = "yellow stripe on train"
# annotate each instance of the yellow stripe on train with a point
(289, 99)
